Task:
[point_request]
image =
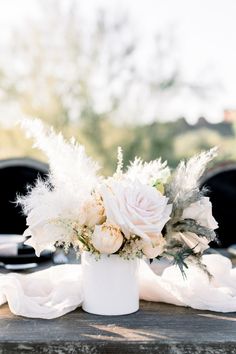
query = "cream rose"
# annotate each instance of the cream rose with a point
(138, 209)
(155, 248)
(201, 211)
(193, 241)
(107, 238)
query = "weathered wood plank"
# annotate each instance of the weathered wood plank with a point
(156, 328)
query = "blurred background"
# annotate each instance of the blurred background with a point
(155, 77)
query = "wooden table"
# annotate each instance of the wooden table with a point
(156, 328)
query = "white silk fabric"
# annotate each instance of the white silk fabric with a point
(56, 291)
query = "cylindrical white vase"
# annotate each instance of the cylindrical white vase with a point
(110, 284)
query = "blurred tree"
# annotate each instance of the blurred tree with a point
(85, 78)
(191, 142)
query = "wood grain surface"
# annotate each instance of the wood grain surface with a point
(156, 328)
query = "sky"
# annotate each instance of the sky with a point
(205, 35)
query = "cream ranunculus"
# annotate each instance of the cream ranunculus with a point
(193, 241)
(107, 238)
(93, 211)
(155, 248)
(201, 211)
(136, 208)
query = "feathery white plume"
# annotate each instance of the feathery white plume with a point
(185, 181)
(119, 169)
(72, 178)
(148, 172)
(70, 167)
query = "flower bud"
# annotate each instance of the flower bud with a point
(107, 238)
(155, 247)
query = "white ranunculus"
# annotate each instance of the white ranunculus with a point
(155, 248)
(136, 208)
(201, 211)
(193, 241)
(107, 238)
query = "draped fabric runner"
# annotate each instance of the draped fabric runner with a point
(56, 291)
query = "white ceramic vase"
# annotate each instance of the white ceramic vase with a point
(110, 284)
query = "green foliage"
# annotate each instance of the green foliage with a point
(180, 257)
(59, 85)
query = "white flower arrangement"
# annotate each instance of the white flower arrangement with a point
(144, 211)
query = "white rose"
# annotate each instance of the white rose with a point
(155, 248)
(193, 241)
(138, 209)
(201, 211)
(107, 238)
